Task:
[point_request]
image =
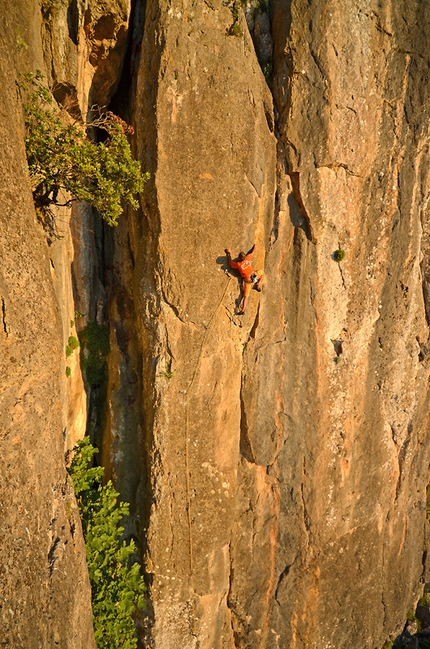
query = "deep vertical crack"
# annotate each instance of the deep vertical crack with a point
(299, 214)
(245, 442)
(281, 578)
(3, 311)
(343, 279)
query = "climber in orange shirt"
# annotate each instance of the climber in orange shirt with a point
(250, 277)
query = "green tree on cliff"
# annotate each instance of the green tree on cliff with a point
(62, 157)
(117, 585)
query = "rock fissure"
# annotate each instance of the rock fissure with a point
(52, 556)
(258, 193)
(237, 322)
(295, 183)
(253, 329)
(3, 311)
(339, 165)
(175, 309)
(342, 275)
(306, 519)
(245, 441)
(324, 76)
(281, 577)
(229, 603)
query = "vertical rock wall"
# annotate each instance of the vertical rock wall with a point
(213, 166)
(287, 453)
(351, 94)
(276, 463)
(45, 592)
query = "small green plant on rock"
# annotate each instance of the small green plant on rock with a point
(167, 372)
(72, 344)
(68, 371)
(21, 44)
(388, 645)
(235, 28)
(117, 585)
(338, 255)
(61, 156)
(425, 599)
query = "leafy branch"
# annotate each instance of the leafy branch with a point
(61, 156)
(116, 583)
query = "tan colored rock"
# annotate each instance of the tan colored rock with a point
(212, 187)
(276, 464)
(84, 47)
(288, 453)
(45, 591)
(348, 447)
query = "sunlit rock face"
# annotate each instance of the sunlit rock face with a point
(286, 450)
(44, 585)
(276, 463)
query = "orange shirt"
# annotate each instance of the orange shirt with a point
(244, 267)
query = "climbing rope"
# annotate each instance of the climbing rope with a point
(187, 466)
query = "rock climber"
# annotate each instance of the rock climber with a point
(250, 277)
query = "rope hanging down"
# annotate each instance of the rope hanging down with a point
(187, 469)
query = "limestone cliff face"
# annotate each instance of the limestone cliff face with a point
(287, 456)
(354, 142)
(213, 185)
(276, 463)
(45, 590)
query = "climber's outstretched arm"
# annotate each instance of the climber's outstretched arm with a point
(228, 253)
(251, 251)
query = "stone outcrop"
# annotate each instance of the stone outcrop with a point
(84, 45)
(287, 451)
(45, 591)
(276, 463)
(213, 185)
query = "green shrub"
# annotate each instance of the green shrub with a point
(72, 344)
(68, 371)
(61, 156)
(339, 255)
(117, 585)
